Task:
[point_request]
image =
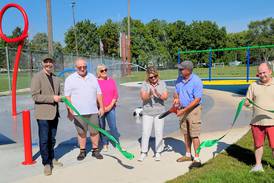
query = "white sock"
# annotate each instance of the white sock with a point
(188, 154)
(197, 159)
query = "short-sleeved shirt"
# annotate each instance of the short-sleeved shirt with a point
(109, 90)
(189, 90)
(154, 106)
(83, 92)
(263, 96)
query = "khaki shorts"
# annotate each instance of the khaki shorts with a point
(191, 122)
(82, 126)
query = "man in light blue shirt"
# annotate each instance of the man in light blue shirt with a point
(83, 91)
(188, 94)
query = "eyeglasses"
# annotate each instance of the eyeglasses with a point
(152, 77)
(104, 70)
(82, 67)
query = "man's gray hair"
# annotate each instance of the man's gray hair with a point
(186, 65)
(267, 64)
(78, 59)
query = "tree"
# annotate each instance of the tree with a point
(157, 29)
(142, 44)
(205, 35)
(178, 38)
(109, 34)
(87, 38)
(262, 33)
(39, 42)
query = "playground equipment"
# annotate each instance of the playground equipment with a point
(210, 52)
(25, 113)
(20, 41)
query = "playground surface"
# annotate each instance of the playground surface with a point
(217, 106)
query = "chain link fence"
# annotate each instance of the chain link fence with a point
(30, 63)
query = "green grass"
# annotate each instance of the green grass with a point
(232, 166)
(226, 71)
(24, 78)
(23, 81)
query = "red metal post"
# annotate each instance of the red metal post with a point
(27, 138)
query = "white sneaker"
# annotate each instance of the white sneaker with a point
(257, 168)
(142, 157)
(157, 157)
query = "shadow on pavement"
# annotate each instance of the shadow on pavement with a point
(175, 145)
(66, 147)
(5, 140)
(120, 162)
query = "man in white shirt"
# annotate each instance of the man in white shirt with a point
(83, 91)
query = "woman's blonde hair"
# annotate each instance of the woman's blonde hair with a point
(99, 68)
(151, 70)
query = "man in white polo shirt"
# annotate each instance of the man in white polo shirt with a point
(83, 90)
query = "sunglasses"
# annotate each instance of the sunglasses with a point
(104, 70)
(82, 67)
(152, 77)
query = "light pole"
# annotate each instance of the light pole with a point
(50, 39)
(128, 35)
(74, 28)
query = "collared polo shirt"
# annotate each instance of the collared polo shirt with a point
(188, 90)
(263, 96)
(83, 92)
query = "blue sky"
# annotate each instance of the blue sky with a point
(233, 14)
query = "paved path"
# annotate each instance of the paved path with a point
(218, 111)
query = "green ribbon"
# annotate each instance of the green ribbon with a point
(210, 143)
(110, 137)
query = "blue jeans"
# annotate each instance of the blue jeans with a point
(110, 117)
(47, 131)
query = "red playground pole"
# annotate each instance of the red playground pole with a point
(27, 138)
(20, 41)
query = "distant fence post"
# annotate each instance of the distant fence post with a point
(8, 67)
(209, 64)
(247, 63)
(179, 61)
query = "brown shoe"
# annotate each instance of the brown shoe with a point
(96, 154)
(47, 170)
(56, 163)
(195, 164)
(184, 158)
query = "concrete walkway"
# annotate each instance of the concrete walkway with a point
(115, 168)
(219, 109)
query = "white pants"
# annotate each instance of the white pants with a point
(148, 122)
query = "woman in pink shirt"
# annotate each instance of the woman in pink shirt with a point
(110, 96)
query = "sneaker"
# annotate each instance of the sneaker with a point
(195, 164)
(82, 155)
(142, 157)
(96, 154)
(257, 168)
(56, 163)
(47, 170)
(157, 157)
(184, 158)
